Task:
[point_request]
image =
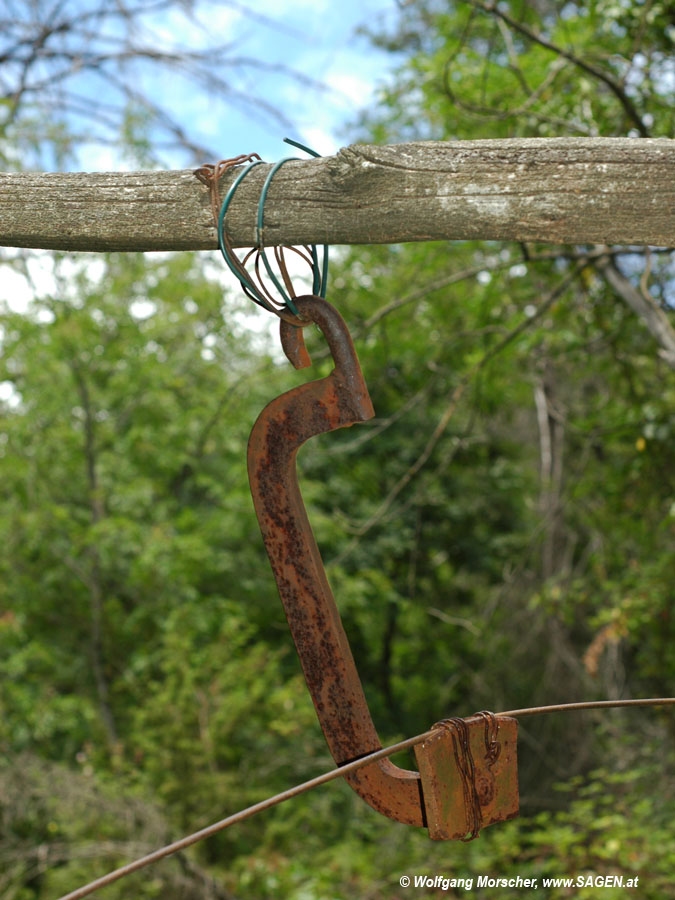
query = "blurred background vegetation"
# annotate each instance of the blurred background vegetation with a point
(501, 535)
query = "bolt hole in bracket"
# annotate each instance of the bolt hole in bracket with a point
(463, 782)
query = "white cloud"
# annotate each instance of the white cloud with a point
(173, 29)
(14, 290)
(96, 158)
(355, 90)
(142, 309)
(320, 139)
(9, 394)
(18, 291)
(287, 8)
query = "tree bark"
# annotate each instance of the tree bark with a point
(553, 190)
(93, 579)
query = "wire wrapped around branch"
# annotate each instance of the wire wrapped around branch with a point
(254, 277)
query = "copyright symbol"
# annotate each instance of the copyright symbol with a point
(404, 881)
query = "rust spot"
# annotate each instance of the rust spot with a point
(485, 788)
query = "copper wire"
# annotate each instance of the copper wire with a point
(253, 282)
(459, 732)
(492, 746)
(210, 174)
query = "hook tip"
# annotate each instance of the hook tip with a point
(293, 345)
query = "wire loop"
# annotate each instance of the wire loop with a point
(253, 283)
(493, 748)
(210, 174)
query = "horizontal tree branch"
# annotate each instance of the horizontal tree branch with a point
(552, 190)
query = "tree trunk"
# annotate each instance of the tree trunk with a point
(554, 190)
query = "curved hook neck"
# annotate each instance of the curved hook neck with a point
(339, 400)
(347, 370)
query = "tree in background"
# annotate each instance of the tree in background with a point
(526, 418)
(584, 394)
(134, 606)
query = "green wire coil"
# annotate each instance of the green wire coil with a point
(319, 271)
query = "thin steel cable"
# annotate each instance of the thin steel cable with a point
(210, 830)
(586, 704)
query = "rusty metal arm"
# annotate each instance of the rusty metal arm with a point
(282, 428)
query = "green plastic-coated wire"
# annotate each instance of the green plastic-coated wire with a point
(301, 147)
(260, 236)
(319, 272)
(320, 280)
(249, 287)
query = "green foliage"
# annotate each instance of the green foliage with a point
(590, 68)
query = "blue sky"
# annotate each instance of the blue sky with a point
(315, 38)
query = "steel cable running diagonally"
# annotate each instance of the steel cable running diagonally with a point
(332, 775)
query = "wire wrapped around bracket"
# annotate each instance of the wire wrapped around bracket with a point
(459, 733)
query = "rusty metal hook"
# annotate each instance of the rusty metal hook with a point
(339, 400)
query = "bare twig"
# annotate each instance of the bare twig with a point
(614, 86)
(96, 592)
(450, 278)
(644, 306)
(48, 53)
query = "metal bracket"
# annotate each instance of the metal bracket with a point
(457, 806)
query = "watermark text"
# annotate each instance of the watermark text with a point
(586, 879)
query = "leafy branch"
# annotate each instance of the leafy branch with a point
(614, 86)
